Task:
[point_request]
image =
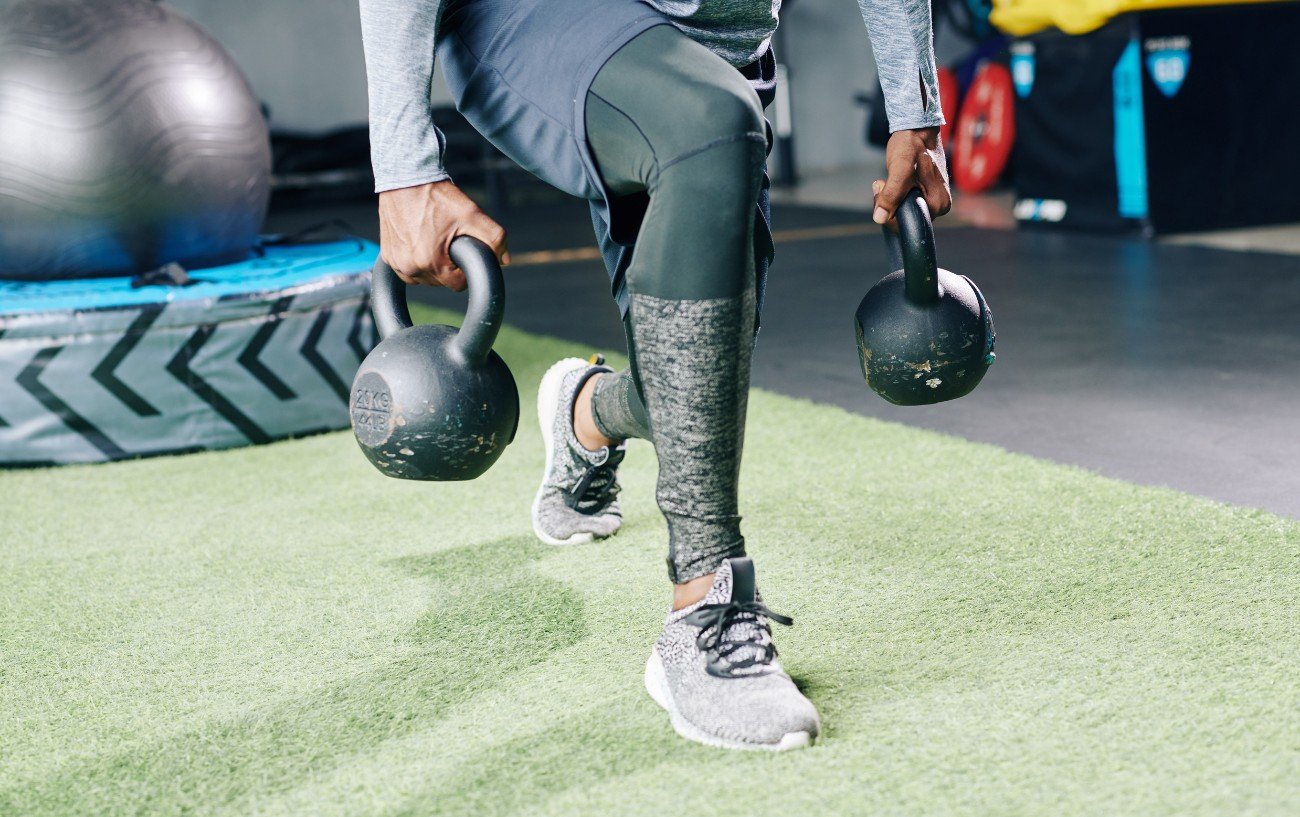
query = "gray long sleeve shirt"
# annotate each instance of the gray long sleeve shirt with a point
(399, 35)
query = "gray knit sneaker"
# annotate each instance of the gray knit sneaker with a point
(578, 499)
(714, 669)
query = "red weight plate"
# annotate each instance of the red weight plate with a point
(949, 97)
(985, 130)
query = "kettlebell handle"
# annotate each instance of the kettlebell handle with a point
(913, 247)
(487, 299)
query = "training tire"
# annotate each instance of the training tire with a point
(95, 370)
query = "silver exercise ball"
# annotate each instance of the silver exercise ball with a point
(128, 139)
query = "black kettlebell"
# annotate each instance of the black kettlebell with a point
(433, 402)
(925, 334)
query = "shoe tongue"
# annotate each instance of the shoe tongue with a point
(735, 581)
(733, 574)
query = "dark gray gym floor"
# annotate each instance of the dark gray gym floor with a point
(1164, 365)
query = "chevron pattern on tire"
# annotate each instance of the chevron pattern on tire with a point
(179, 368)
(166, 377)
(104, 372)
(30, 381)
(318, 362)
(249, 357)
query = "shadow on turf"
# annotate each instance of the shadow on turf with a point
(491, 616)
(514, 775)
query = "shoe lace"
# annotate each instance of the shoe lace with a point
(597, 488)
(720, 639)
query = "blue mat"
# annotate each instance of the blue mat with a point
(272, 268)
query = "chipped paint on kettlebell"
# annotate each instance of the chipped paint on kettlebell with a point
(924, 334)
(432, 402)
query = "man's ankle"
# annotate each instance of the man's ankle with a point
(584, 422)
(687, 593)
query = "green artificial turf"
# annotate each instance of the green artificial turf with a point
(281, 630)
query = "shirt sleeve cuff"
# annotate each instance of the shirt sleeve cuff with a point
(383, 185)
(928, 120)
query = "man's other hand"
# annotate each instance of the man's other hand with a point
(913, 158)
(416, 228)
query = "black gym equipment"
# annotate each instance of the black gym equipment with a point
(925, 335)
(1152, 122)
(432, 402)
(128, 140)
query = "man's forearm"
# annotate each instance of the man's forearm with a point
(405, 147)
(902, 38)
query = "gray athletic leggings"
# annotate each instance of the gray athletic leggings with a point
(669, 119)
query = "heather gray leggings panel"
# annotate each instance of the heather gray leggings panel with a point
(674, 126)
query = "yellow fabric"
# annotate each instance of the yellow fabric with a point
(1021, 17)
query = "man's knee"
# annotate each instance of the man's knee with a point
(717, 114)
(734, 109)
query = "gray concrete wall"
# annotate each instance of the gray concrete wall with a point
(303, 59)
(829, 61)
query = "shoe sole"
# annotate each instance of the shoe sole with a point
(548, 400)
(656, 683)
